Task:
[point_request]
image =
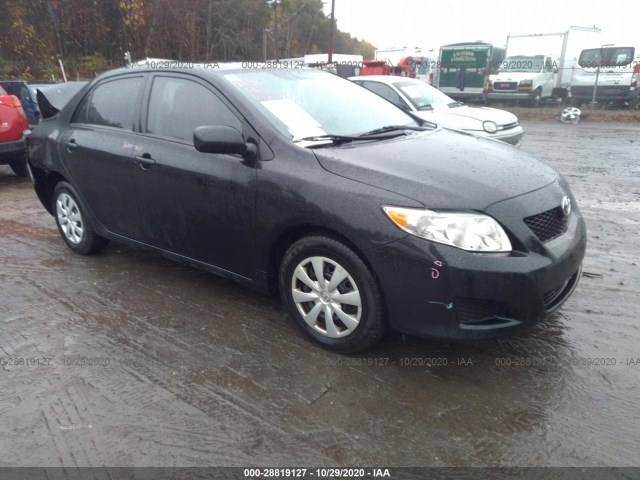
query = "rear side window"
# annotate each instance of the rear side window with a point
(111, 104)
(177, 106)
(384, 91)
(606, 57)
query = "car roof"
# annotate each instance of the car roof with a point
(212, 68)
(388, 79)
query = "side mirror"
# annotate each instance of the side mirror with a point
(222, 140)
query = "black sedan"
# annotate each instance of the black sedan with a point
(363, 217)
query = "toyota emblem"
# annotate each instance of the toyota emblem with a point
(566, 206)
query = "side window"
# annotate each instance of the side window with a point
(111, 104)
(177, 106)
(385, 91)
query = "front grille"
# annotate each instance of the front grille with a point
(548, 225)
(475, 313)
(510, 125)
(470, 310)
(505, 85)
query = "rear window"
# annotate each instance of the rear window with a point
(606, 57)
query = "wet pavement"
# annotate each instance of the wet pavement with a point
(126, 358)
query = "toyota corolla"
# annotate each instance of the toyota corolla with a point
(364, 218)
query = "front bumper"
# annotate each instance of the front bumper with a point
(512, 136)
(509, 95)
(438, 291)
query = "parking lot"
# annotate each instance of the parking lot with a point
(126, 358)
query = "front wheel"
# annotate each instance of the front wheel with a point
(73, 222)
(332, 295)
(536, 99)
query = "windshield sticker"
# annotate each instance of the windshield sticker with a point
(299, 122)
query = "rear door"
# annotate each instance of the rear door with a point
(97, 149)
(194, 204)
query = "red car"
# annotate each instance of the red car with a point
(14, 128)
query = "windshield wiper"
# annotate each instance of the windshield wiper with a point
(336, 139)
(393, 128)
(377, 134)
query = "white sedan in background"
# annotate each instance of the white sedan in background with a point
(434, 106)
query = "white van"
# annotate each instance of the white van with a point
(618, 78)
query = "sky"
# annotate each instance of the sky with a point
(431, 24)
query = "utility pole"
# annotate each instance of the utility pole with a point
(275, 27)
(333, 8)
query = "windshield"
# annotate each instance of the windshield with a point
(305, 103)
(422, 96)
(606, 57)
(522, 64)
(35, 86)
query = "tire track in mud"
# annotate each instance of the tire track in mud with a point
(235, 411)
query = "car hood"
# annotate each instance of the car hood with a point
(441, 168)
(448, 116)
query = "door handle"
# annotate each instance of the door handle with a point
(145, 162)
(71, 145)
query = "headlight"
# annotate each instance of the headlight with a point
(489, 126)
(473, 232)
(526, 82)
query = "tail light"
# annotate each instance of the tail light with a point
(634, 77)
(18, 106)
(15, 101)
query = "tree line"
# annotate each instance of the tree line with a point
(91, 36)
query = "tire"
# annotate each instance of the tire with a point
(73, 222)
(536, 99)
(358, 322)
(634, 104)
(19, 166)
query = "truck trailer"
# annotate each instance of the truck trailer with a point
(463, 69)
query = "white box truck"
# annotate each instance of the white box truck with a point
(531, 75)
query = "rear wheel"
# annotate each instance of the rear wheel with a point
(332, 295)
(73, 223)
